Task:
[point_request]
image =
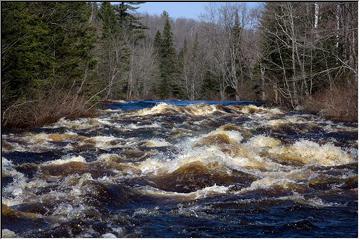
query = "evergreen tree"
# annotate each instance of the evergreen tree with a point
(210, 85)
(157, 43)
(181, 61)
(108, 18)
(169, 86)
(72, 39)
(131, 32)
(275, 48)
(121, 32)
(25, 50)
(237, 61)
(298, 60)
(129, 23)
(44, 45)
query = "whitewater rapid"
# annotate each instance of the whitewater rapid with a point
(197, 166)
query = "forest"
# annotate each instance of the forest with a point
(62, 59)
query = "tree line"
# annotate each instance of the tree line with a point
(74, 54)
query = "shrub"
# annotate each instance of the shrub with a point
(46, 109)
(338, 103)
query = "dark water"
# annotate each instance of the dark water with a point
(182, 169)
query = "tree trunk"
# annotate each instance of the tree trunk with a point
(316, 20)
(262, 71)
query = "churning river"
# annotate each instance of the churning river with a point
(182, 169)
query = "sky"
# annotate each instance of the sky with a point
(179, 9)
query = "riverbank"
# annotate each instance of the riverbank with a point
(46, 110)
(30, 114)
(337, 103)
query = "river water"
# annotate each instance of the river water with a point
(182, 169)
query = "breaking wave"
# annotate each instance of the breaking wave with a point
(113, 174)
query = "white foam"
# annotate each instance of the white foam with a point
(159, 108)
(314, 202)
(269, 182)
(134, 126)
(13, 191)
(82, 123)
(199, 194)
(145, 211)
(261, 141)
(234, 136)
(6, 233)
(108, 156)
(19, 190)
(108, 235)
(157, 142)
(312, 153)
(66, 160)
(209, 154)
(249, 109)
(105, 142)
(195, 110)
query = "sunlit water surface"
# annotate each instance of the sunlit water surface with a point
(182, 169)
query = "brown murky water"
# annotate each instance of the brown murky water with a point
(200, 170)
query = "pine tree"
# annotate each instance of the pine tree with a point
(169, 86)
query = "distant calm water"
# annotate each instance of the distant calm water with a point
(182, 169)
(140, 104)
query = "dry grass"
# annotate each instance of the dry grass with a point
(45, 110)
(338, 103)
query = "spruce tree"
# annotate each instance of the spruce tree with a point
(129, 23)
(108, 18)
(25, 50)
(45, 45)
(72, 39)
(168, 65)
(181, 62)
(157, 43)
